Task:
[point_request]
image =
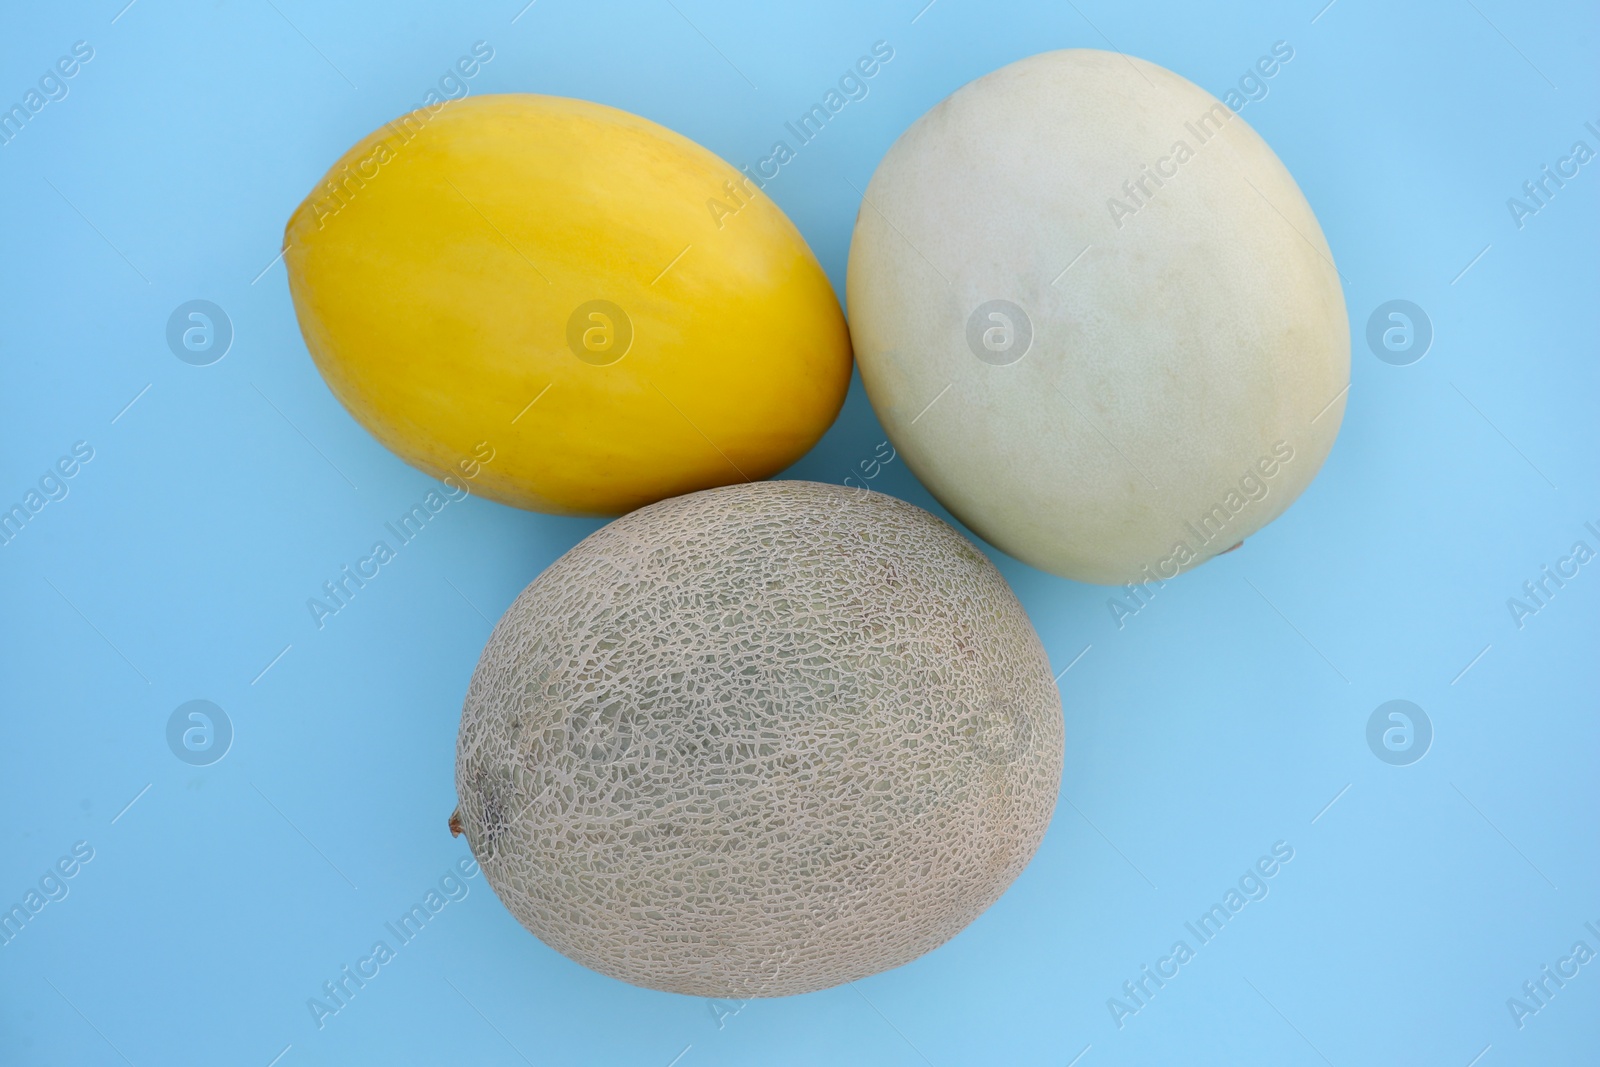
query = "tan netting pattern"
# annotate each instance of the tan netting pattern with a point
(759, 740)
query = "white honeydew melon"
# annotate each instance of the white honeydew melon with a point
(1177, 372)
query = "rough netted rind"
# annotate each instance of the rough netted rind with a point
(759, 740)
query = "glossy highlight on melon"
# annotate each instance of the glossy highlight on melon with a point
(618, 313)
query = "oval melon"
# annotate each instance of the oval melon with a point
(759, 740)
(610, 310)
(1097, 317)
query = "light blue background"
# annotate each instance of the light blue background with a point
(1210, 726)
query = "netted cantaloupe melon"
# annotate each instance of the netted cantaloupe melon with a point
(759, 740)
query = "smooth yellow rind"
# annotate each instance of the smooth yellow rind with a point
(436, 266)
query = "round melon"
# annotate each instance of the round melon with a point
(1097, 317)
(759, 740)
(607, 309)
